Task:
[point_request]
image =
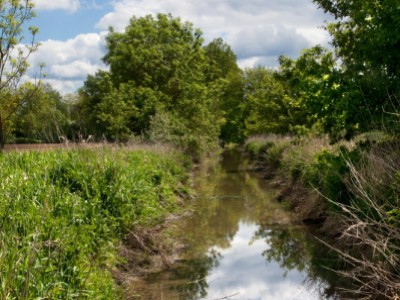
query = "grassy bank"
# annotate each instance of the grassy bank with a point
(310, 162)
(351, 189)
(63, 213)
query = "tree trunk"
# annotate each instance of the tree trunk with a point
(2, 140)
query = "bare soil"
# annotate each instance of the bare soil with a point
(144, 251)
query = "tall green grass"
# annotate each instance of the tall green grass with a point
(63, 212)
(312, 161)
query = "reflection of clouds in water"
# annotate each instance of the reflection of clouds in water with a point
(245, 273)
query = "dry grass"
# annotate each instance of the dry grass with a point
(305, 149)
(153, 147)
(372, 224)
(264, 138)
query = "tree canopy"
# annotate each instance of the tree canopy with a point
(164, 84)
(365, 34)
(159, 70)
(13, 59)
(155, 52)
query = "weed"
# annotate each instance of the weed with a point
(62, 213)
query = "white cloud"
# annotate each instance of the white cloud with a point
(69, 62)
(74, 69)
(70, 5)
(256, 61)
(63, 86)
(84, 46)
(255, 29)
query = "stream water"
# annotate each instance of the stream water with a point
(240, 244)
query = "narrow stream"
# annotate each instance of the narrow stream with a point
(240, 245)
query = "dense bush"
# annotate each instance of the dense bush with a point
(328, 172)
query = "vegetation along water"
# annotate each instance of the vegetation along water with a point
(240, 243)
(322, 129)
(64, 213)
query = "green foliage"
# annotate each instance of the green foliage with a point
(221, 60)
(328, 173)
(13, 59)
(265, 104)
(310, 160)
(363, 34)
(95, 88)
(367, 46)
(43, 116)
(62, 213)
(127, 110)
(257, 147)
(159, 53)
(269, 149)
(315, 91)
(195, 126)
(162, 84)
(232, 108)
(222, 65)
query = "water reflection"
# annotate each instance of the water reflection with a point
(240, 245)
(295, 249)
(246, 274)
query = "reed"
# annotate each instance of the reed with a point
(63, 212)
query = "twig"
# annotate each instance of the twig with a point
(226, 297)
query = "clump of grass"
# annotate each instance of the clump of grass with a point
(63, 212)
(268, 148)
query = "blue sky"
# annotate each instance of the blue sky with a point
(72, 32)
(62, 24)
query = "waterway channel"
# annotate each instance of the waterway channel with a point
(241, 244)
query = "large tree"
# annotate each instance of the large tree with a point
(367, 40)
(157, 82)
(14, 14)
(366, 34)
(42, 115)
(222, 66)
(266, 103)
(311, 83)
(157, 53)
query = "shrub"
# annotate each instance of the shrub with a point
(328, 171)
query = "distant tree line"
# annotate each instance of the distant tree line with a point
(163, 84)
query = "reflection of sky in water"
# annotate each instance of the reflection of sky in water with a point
(246, 275)
(245, 261)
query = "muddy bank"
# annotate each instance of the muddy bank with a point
(146, 250)
(309, 207)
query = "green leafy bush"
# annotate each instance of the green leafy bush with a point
(327, 174)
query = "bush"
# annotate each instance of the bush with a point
(328, 171)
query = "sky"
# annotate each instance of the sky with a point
(72, 32)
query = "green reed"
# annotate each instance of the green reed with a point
(63, 212)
